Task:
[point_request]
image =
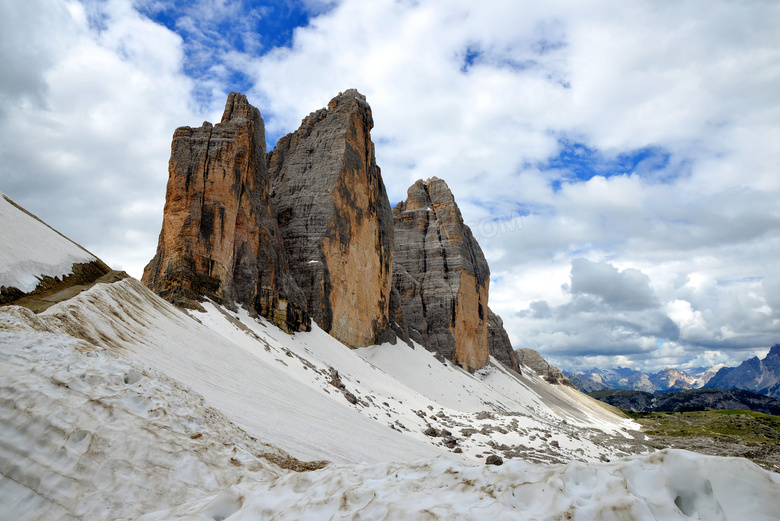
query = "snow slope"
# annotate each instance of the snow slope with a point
(116, 405)
(31, 249)
(278, 387)
(84, 433)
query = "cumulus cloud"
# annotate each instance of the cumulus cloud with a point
(620, 290)
(90, 156)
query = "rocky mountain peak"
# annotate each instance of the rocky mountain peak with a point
(441, 275)
(307, 231)
(335, 218)
(219, 238)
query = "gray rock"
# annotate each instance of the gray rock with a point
(533, 360)
(441, 275)
(494, 460)
(335, 218)
(499, 345)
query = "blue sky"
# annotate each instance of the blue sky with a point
(626, 151)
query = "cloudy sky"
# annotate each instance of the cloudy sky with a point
(618, 161)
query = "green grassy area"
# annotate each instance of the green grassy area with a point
(745, 425)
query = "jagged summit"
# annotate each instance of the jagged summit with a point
(334, 215)
(441, 275)
(219, 238)
(307, 230)
(754, 374)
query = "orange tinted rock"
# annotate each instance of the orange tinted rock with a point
(335, 218)
(219, 238)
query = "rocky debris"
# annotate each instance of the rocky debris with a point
(219, 236)
(499, 345)
(533, 360)
(335, 379)
(441, 275)
(493, 459)
(351, 398)
(335, 218)
(51, 290)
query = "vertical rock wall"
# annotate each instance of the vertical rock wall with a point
(441, 275)
(219, 238)
(335, 218)
(499, 345)
(307, 231)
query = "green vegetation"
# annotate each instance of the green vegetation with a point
(734, 424)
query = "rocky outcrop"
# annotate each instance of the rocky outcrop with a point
(219, 237)
(306, 231)
(533, 360)
(441, 275)
(499, 345)
(335, 220)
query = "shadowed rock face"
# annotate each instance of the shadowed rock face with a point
(441, 275)
(219, 238)
(499, 345)
(335, 219)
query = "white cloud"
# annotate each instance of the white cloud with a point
(90, 157)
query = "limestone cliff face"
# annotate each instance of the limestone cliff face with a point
(335, 219)
(441, 275)
(499, 345)
(219, 238)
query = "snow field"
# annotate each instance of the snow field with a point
(87, 432)
(84, 433)
(669, 485)
(410, 390)
(22, 259)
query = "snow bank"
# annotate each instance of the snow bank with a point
(85, 434)
(30, 249)
(668, 485)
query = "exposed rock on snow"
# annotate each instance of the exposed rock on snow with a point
(533, 360)
(27, 268)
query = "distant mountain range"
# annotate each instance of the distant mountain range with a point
(668, 379)
(755, 374)
(689, 400)
(761, 376)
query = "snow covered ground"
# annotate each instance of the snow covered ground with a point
(116, 405)
(22, 259)
(279, 387)
(669, 485)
